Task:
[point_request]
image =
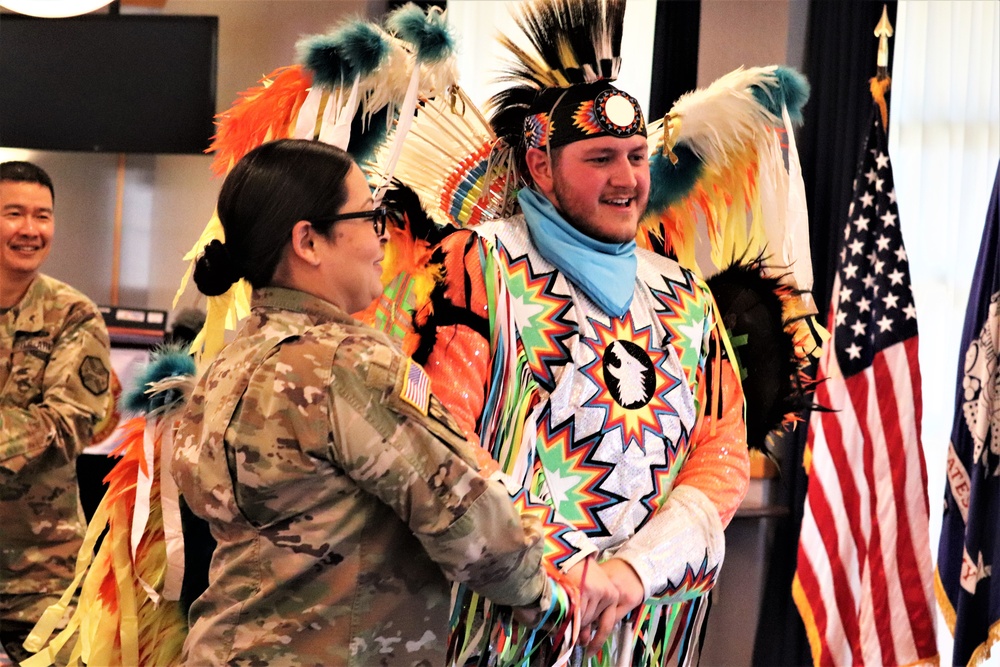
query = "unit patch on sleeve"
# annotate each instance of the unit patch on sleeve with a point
(94, 375)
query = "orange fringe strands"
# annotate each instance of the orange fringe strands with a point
(123, 616)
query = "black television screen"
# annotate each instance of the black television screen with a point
(108, 82)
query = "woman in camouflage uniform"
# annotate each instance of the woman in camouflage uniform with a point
(342, 495)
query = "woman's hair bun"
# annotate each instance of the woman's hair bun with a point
(215, 271)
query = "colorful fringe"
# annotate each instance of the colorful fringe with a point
(128, 611)
(408, 276)
(486, 634)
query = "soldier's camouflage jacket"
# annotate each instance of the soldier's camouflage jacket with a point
(340, 506)
(54, 377)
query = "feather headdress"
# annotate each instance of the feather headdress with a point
(356, 87)
(446, 160)
(561, 88)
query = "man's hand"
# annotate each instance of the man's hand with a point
(598, 603)
(527, 616)
(631, 594)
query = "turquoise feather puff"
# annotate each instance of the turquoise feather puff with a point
(166, 362)
(792, 91)
(356, 48)
(427, 32)
(672, 181)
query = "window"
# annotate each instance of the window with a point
(944, 140)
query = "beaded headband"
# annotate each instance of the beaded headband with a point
(583, 111)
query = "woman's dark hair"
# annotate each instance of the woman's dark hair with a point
(267, 192)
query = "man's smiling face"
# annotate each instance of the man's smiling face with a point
(600, 185)
(26, 228)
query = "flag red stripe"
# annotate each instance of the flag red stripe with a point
(896, 443)
(841, 461)
(913, 361)
(826, 524)
(841, 428)
(926, 640)
(810, 586)
(909, 566)
(848, 488)
(857, 388)
(829, 531)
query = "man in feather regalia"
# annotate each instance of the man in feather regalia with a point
(554, 323)
(594, 371)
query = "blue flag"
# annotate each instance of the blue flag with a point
(968, 589)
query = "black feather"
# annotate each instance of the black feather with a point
(402, 200)
(509, 108)
(750, 305)
(579, 26)
(615, 20)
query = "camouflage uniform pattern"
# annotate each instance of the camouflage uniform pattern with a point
(54, 376)
(340, 510)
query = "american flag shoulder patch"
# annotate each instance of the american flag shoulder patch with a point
(416, 388)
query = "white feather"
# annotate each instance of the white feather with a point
(724, 117)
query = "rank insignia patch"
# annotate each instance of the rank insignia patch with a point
(94, 375)
(416, 387)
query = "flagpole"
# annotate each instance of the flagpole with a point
(883, 31)
(864, 582)
(880, 83)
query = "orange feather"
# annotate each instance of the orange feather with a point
(262, 113)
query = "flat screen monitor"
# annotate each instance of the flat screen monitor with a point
(108, 83)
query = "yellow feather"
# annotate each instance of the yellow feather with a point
(213, 231)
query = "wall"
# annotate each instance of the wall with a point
(745, 33)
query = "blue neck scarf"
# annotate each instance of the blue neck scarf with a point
(604, 271)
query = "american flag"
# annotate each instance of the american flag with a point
(416, 388)
(864, 580)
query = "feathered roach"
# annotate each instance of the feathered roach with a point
(576, 41)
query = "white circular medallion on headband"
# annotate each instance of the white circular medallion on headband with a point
(620, 110)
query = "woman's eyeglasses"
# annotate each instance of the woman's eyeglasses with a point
(378, 216)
